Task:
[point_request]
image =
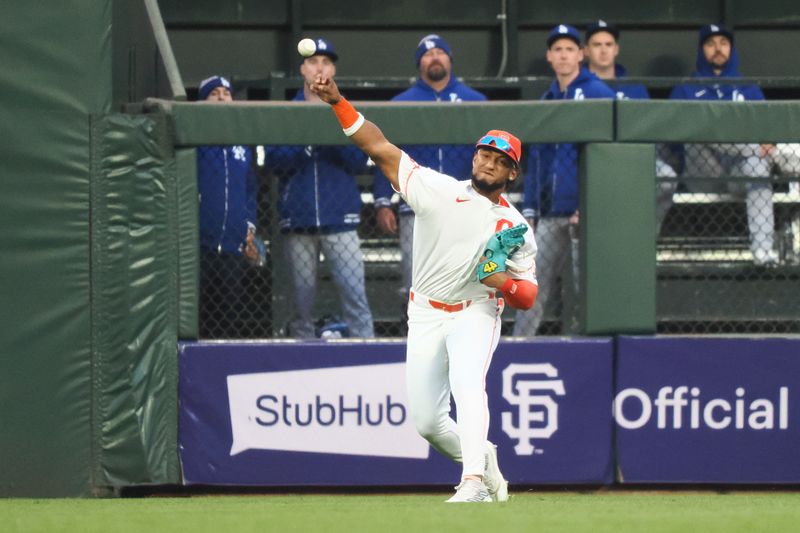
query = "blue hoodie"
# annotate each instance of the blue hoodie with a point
(628, 91)
(551, 177)
(714, 91)
(226, 184)
(451, 159)
(317, 187)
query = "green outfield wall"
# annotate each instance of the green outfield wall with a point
(87, 231)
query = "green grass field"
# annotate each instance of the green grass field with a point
(617, 512)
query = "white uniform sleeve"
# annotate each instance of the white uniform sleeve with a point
(421, 187)
(522, 263)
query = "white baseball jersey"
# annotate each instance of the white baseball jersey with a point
(453, 224)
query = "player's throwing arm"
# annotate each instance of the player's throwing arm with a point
(366, 135)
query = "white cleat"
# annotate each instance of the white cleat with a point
(471, 491)
(493, 478)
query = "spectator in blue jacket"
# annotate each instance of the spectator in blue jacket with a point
(436, 83)
(320, 210)
(601, 48)
(229, 246)
(551, 179)
(717, 58)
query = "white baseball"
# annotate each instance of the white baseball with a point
(307, 47)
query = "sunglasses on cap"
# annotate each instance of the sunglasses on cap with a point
(499, 143)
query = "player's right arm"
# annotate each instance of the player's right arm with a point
(367, 136)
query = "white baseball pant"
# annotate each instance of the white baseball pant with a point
(451, 352)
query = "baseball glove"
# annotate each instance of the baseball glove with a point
(499, 248)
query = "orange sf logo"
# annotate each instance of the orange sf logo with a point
(502, 224)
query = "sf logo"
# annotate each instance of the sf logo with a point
(536, 415)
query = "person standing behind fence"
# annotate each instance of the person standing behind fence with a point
(320, 209)
(717, 57)
(229, 247)
(601, 49)
(551, 180)
(436, 83)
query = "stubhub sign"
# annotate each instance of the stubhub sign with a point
(308, 411)
(317, 413)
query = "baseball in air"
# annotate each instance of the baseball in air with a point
(307, 47)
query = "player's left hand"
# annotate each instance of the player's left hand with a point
(510, 239)
(498, 249)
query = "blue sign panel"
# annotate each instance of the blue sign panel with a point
(336, 414)
(706, 410)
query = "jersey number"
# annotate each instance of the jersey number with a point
(503, 224)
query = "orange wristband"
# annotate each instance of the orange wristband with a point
(350, 119)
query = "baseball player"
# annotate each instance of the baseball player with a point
(469, 243)
(436, 82)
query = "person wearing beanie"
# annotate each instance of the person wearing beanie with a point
(320, 211)
(717, 57)
(433, 58)
(229, 246)
(550, 200)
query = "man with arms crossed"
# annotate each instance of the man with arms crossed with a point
(469, 243)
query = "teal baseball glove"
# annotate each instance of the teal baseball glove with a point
(499, 248)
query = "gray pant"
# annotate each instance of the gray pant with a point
(556, 240)
(738, 160)
(343, 252)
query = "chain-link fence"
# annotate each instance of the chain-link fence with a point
(311, 242)
(729, 222)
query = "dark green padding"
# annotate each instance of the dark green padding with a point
(618, 245)
(188, 243)
(300, 123)
(134, 295)
(694, 121)
(56, 70)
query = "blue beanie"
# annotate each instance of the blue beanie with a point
(209, 84)
(429, 42)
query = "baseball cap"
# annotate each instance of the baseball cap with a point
(709, 30)
(431, 41)
(209, 84)
(600, 25)
(325, 48)
(563, 31)
(502, 141)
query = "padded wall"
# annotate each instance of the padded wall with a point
(134, 301)
(56, 72)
